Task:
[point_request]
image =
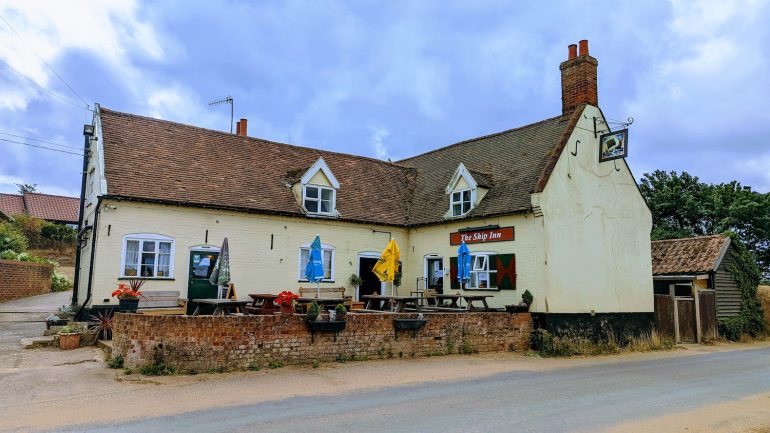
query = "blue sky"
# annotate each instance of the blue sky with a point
(389, 79)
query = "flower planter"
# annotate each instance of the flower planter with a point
(413, 324)
(69, 341)
(517, 308)
(128, 305)
(332, 326)
(287, 309)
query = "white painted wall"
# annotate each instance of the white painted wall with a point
(595, 232)
(255, 268)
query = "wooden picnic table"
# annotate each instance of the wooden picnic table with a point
(262, 303)
(394, 303)
(469, 299)
(222, 307)
(322, 302)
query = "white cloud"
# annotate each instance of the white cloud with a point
(109, 31)
(379, 134)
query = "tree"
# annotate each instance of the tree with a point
(683, 206)
(27, 187)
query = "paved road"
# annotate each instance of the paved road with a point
(572, 399)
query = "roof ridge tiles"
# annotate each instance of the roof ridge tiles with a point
(263, 140)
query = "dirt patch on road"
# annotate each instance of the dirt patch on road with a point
(749, 415)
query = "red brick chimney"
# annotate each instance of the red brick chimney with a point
(242, 128)
(578, 78)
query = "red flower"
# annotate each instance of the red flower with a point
(125, 292)
(286, 298)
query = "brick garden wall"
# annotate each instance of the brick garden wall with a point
(22, 279)
(198, 343)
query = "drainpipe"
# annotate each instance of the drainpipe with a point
(94, 232)
(87, 134)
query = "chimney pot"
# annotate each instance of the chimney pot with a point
(238, 128)
(244, 128)
(583, 47)
(578, 79)
(572, 51)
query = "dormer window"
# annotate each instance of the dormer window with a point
(461, 202)
(319, 199)
(463, 192)
(316, 191)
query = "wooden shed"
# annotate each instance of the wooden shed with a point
(693, 286)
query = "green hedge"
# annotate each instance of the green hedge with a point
(747, 275)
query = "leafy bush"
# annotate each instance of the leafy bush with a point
(313, 311)
(341, 312)
(116, 362)
(71, 328)
(30, 227)
(747, 275)
(60, 282)
(9, 255)
(157, 370)
(58, 232)
(527, 297)
(12, 238)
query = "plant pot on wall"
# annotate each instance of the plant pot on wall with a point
(69, 341)
(287, 309)
(128, 305)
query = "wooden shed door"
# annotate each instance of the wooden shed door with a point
(686, 310)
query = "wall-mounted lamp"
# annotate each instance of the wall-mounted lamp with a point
(88, 130)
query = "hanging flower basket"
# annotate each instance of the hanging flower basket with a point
(413, 324)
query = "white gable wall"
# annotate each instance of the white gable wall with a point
(595, 230)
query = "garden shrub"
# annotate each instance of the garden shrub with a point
(747, 275)
(60, 282)
(12, 238)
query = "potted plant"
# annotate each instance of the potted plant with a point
(287, 301)
(336, 322)
(128, 295)
(313, 311)
(102, 325)
(355, 280)
(69, 336)
(523, 306)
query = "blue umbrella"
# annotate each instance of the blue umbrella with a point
(314, 272)
(463, 264)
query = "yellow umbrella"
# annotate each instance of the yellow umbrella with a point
(387, 265)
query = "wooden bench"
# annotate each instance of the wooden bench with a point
(161, 303)
(327, 292)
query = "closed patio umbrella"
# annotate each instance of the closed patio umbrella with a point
(314, 271)
(387, 265)
(221, 273)
(463, 264)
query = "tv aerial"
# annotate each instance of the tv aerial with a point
(227, 100)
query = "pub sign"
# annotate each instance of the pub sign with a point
(480, 236)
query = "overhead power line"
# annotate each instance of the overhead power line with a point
(39, 140)
(41, 147)
(44, 62)
(54, 94)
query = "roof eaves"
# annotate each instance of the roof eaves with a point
(557, 151)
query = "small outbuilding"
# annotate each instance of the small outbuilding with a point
(689, 275)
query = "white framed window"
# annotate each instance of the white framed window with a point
(328, 253)
(319, 199)
(482, 277)
(461, 202)
(147, 255)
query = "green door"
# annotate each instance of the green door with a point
(198, 286)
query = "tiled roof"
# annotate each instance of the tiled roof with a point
(688, 256)
(157, 160)
(44, 206)
(511, 161)
(164, 161)
(52, 207)
(11, 204)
